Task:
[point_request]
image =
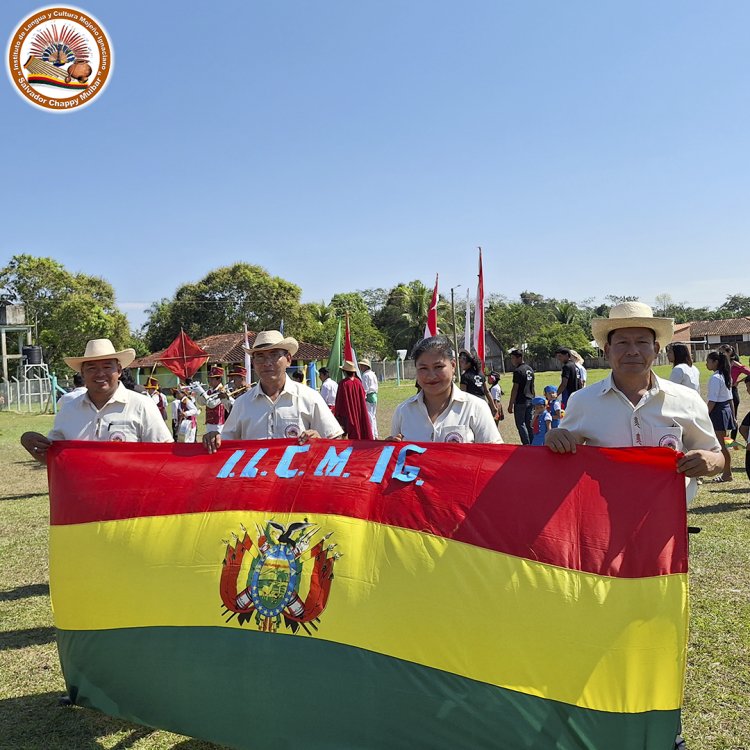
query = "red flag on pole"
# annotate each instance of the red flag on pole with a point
(183, 356)
(479, 315)
(431, 329)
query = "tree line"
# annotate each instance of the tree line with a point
(68, 308)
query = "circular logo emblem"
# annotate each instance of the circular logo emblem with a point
(454, 437)
(117, 437)
(291, 431)
(59, 58)
(669, 441)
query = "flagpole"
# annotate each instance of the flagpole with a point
(467, 324)
(479, 315)
(455, 332)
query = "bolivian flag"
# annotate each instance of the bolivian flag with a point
(374, 595)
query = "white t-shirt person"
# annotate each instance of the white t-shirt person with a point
(687, 375)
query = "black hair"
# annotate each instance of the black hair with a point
(471, 359)
(516, 353)
(565, 350)
(730, 352)
(127, 380)
(77, 380)
(323, 371)
(437, 344)
(724, 367)
(299, 376)
(681, 354)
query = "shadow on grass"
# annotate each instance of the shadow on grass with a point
(24, 592)
(38, 722)
(12, 639)
(722, 507)
(23, 497)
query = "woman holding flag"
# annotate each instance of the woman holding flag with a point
(441, 412)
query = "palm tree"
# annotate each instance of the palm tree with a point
(320, 312)
(566, 312)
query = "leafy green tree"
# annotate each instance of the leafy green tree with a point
(551, 336)
(403, 317)
(514, 323)
(367, 340)
(66, 309)
(566, 312)
(222, 302)
(532, 299)
(735, 306)
(617, 299)
(312, 327)
(374, 299)
(683, 313)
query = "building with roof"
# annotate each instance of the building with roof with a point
(223, 349)
(705, 335)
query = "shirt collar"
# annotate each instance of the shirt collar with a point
(290, 386)
(608, 384)
(456, 395)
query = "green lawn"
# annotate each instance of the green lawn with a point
(716, 715)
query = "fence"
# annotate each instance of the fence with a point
(32, 395)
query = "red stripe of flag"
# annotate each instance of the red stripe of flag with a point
(515, 500)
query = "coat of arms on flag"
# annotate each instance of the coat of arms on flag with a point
(272, 591)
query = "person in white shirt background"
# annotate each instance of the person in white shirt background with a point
(684, 372)
(370, 384)
(328, 387)
(721, 405)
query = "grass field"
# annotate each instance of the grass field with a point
(717, 700)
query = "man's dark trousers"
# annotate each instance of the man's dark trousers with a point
(523, 411)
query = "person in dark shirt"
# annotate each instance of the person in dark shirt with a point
(473, 381)
(521, 396)
(568, 376)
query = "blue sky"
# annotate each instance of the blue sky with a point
(589, 148)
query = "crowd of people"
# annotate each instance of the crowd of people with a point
(632, 406)
(282, 406)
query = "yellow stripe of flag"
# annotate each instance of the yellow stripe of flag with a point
(598, 640)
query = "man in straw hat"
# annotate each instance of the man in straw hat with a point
(107, 411)
(276, 407)
(351, 407)
(370, 384)
(632, 406)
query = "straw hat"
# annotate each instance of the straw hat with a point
(364, 362)
(273, 340)
(349, 366)
(100, 349)
(632, 315)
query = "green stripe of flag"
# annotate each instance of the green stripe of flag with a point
(246, 689)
